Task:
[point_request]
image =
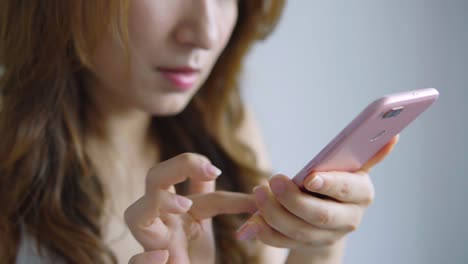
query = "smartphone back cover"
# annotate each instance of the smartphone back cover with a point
(369, 132)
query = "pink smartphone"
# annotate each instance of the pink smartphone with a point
(379, 122)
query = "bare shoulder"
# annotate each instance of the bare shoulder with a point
(250, 133)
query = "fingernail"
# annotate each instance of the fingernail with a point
(248, 231)
(316, 183)
(210, 169)
(277, 186)
(183, 202)
(260, 195)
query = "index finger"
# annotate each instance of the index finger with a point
(379, 156)
(221, 202)
(179, 169)
(159, 179)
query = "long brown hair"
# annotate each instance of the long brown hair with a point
(48, 187)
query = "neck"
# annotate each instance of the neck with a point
(118, 133)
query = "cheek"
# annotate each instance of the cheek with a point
(227, 23)
(109, 62)
(115, 78)
(112, 69)
(149, 26)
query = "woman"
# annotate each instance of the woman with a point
(104, 105)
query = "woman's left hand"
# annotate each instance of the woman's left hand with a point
(290, 218)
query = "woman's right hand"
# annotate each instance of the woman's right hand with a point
(177, 229)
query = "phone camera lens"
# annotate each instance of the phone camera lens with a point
(394, 112)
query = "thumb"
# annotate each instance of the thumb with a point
(211, 204)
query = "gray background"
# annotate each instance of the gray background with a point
(326, 61)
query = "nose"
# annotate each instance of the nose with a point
(199, 27)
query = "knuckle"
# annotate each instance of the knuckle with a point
(351, 227)
(328, 242)
(369, 198)
(187, 157)
(344, 191)
(297, 236)
(191, 159)
(192, 162)
(353, 221)
(323, 216)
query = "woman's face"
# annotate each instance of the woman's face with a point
(173, 44)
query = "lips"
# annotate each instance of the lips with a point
(182, 78)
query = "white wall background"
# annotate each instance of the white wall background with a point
(326, 61)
